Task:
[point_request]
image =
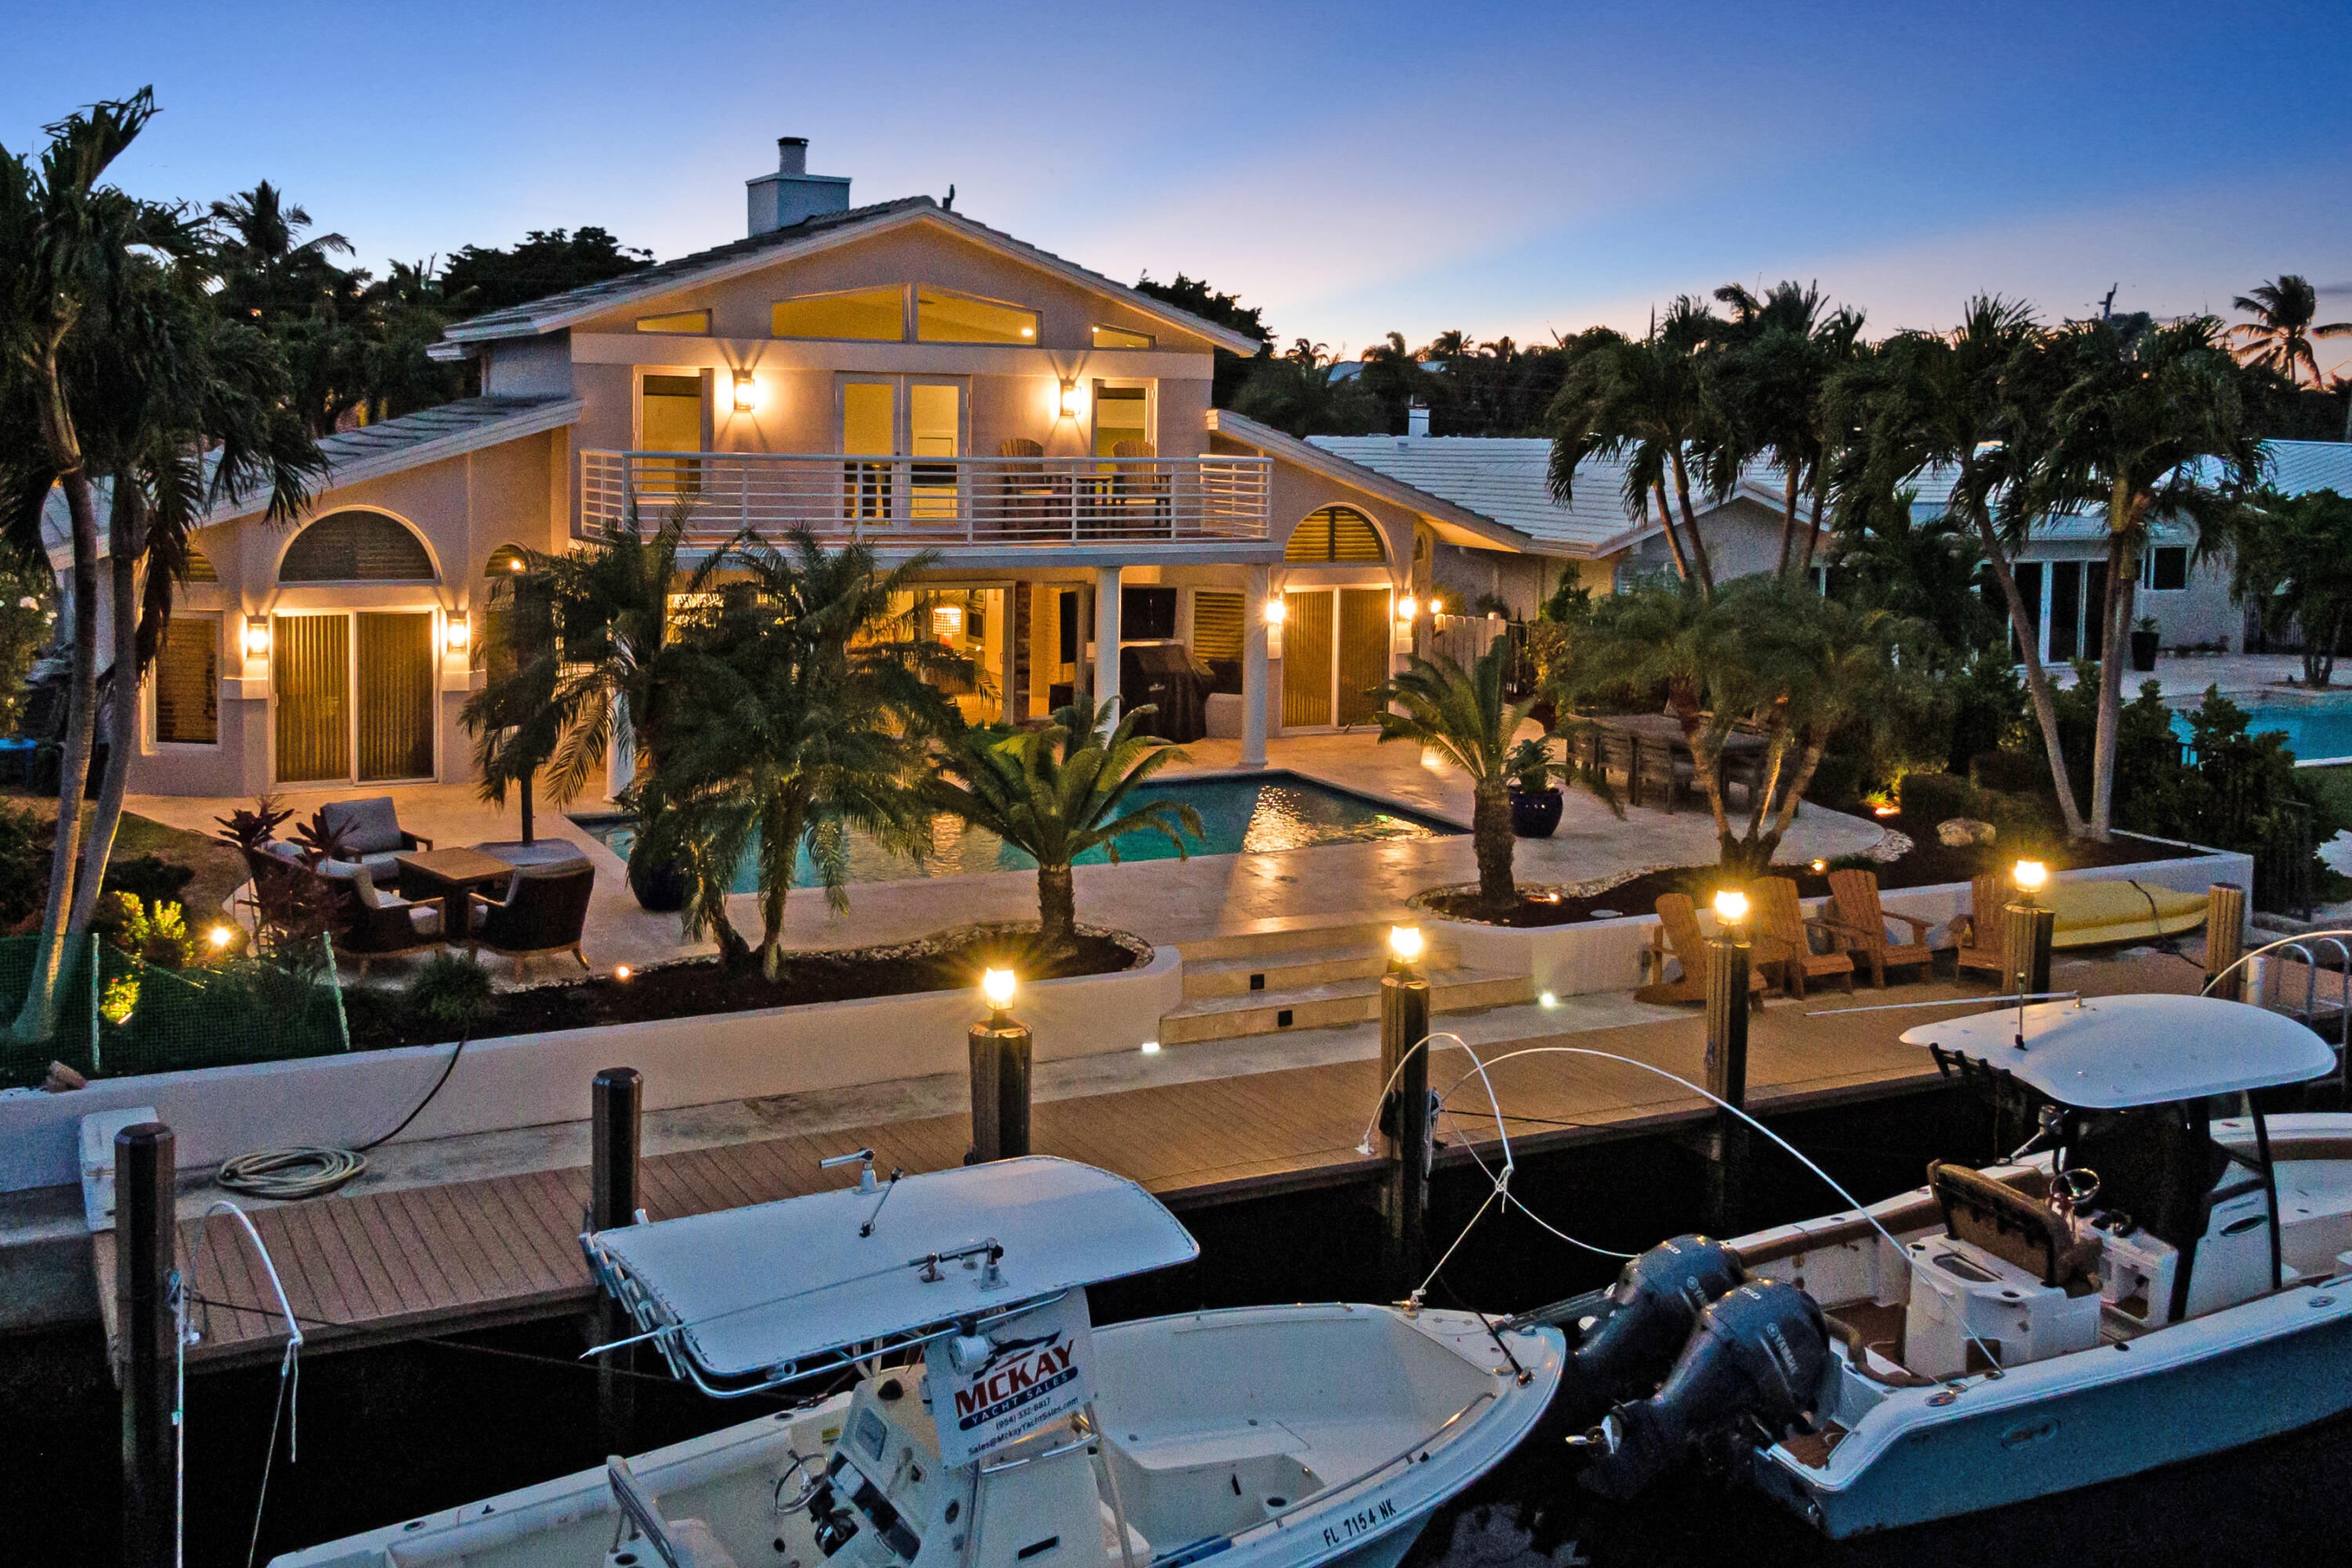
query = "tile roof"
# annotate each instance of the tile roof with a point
(1458, 522)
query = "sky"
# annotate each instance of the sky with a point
(1503, 169)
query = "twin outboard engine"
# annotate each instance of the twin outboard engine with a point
(1759, 1352)
(1644, 1323)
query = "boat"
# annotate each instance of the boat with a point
(986, 1421)
(2163, 1271)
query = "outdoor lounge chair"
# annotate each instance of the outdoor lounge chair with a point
(1854, 895)
(1025, 493)
(1677, 935)
(370, 832)
(544, 912)
(1780, 916)
(379, 924)
(1976, 935)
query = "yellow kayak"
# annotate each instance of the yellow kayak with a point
(2090, 914)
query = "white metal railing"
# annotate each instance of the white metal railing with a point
(927, 503)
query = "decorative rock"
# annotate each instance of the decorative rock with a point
(1961, 831)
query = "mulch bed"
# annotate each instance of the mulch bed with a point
(1926, 865)
(381, 1017)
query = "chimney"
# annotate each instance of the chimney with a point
(1416, 419)
(791, 193)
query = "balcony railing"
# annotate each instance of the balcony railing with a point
(934, 502)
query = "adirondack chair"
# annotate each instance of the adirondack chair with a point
(1977, 935)
(1853, 894)
(1782, 917)
(1676, 936)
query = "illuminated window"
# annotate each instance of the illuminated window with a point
(1120, 419)
(1335, 534)
(944, 318)
(875, 315)
(1217, 625)
(506, 561)
(1120, 338)
(187, 682)
(356, 547)
(684, 321)
(199, 567)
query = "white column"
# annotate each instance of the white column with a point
(1254, 671)
(1106, 636)
(620, 754)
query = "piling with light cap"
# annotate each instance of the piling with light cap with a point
(2027, 930)
(999, 1047)
(146, 1278)
(1405, 1112)
(1727, 1143)
(2225, 940)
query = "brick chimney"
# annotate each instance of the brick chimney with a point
(791, 194)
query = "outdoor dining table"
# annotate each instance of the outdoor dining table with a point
(1741, 753)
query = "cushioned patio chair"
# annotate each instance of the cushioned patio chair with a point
(370, 832)
(544, 912)
(1780, 915)
(1676, 936)
(1854, 895)
(377, 924)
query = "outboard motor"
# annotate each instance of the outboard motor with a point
(1646, 1320)
(1761, 1352)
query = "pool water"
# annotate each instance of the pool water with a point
(1252, 814)
(2315, 730)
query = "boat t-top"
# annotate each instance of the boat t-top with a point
(2162, 1271)
(987, 1422)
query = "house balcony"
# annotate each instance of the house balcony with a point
(993, 510)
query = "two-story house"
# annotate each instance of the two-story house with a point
(897, 373)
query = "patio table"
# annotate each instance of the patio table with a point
(451, 874)
(1741, 751)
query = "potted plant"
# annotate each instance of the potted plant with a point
(1536, 800)
(2143, 645)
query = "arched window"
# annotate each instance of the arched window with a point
(356, 547)
(1336, 533)
(506, 561)
(199, 567)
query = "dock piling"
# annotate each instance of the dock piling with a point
(146, 1281)
(1001, 1050)
(2225, 938)
(1404, 1062)
(616, 1138)
(1726, 1143)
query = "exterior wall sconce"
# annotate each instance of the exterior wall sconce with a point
(1275, 612)
(747, 392)
(454, 632)
(1406, 608)
(1069, 400)
(257, 636)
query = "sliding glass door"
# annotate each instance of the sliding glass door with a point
(341, 696)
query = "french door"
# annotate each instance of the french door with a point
(354, 696)
(901, 417)
(1335, 651)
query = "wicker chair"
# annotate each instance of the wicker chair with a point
(384, 925)
(370, 832)
(1676, 936)
(1976, 935)
(544, 912)
(1862, 922)
(1780, 915)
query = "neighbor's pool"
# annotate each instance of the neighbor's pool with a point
(2315, 729)
(1251, 813)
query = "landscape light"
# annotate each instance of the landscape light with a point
(1820, 866)
(455, 631)
(620, 972)
(2031, 875)
(996, 984)
(1548, 999)
(1405, 942)
(1731, 906)
(1151, 1048)
(257, 636)
(219, 936)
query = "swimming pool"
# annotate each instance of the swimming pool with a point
(2316, 727)
(1247, 814)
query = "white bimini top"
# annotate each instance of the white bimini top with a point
(760, 1291)
(2105, 1053)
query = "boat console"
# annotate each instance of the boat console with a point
(2009, 1277)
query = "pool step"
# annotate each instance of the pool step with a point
(1257, 973)
(1350, 999)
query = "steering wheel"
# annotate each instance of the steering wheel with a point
(2074, 1186)
(808, 1488)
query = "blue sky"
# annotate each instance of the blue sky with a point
(1513, 169)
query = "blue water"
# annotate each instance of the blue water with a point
(2314, 729)
(1253, 814)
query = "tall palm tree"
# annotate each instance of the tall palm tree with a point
(2280, 335)
(2150, 421)
(68, 248)
(1463, 716)
(1059, 791)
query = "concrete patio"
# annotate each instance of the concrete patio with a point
(1164, 901)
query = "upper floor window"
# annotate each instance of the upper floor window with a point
(1120, 338)
(944, 318)
(683, 321)
(874, 315)
(356, 547)
(2165, 567)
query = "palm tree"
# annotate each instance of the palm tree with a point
(2279, 337)
(1059, 791)
(2150, 421)
(68, 250)
(1463, 716)
(800, 715)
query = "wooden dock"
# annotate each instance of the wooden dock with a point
(397, 1263)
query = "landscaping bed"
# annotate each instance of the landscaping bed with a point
(1925, 864)
(382, 1017)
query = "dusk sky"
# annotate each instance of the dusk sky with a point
(1515, 169)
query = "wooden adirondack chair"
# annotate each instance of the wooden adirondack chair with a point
(1853, 894)
(1780, 916)
(1978, 933)
(1677, 935)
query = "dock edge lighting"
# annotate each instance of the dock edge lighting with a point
(1730, 906)
(2030, 875)
(452, 632)
(1069, 400)
(257, 636)
(996, 985)
(747, 392)
(1405, 607)
(1405, 944)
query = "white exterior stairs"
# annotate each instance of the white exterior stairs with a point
(1271, 981)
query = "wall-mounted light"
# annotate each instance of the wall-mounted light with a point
(452, 632)
(747, 392)
(257, 636)
(1405, 607)
(1274, 613)
(1069, 400)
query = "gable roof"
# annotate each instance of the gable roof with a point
(1455, 524)
(811, 235)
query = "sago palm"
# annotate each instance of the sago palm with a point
(1058, 792)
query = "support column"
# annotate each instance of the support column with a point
(1254, 669)
(1106, 637)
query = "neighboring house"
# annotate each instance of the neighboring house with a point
(898, 374)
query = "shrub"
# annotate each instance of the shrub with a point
(2009, 773)
(24, 865)
(450, 991)
(150, 879)
(155, 932)
(1931, 798)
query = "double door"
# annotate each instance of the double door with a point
(354, 696)
(903, 419)
(1335, 651)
